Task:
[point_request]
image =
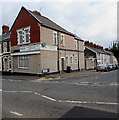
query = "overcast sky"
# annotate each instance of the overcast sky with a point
(93, 20)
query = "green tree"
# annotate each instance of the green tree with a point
(114, 47)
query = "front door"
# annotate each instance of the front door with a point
(5, 64)
(62, 63)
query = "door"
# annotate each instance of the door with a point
(62, 64)
(5, 64)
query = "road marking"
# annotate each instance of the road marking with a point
(48, 98)
(0, 90)
(50, 78)
(88, 102)
(18, 91)
(16, 113)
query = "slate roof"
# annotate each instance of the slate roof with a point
(96, 50)
(49, 23)
(46, 22)
(5, 36)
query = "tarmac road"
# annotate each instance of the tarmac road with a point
(77, 97)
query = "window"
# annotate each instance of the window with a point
(4, 47)
(62, 40)
(27, 35)
(23, 36)
(9, 63)
(67, 60)
(75, 43)
(20, 37)
(76, 59)
(23, 62)
(55, 38)
(71, 60)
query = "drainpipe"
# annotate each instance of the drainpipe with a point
(58, 52)
(78, 58)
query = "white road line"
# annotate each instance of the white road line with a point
(18, 91)
(48, 98)
(16, 113)
(88, 102)
(0, 90)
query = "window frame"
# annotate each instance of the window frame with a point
(62, 41)
(67, 60)
(76, 59)
(23, 59)
(55, 38)
(23, 35)
(75, 44)
(70, 59)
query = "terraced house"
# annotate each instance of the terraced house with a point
(39, 45)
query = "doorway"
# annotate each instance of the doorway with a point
(62, 64)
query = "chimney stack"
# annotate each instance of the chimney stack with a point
(5, 29)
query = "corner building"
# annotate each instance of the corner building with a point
(39, 45)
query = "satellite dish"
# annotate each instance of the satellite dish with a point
(43, 44)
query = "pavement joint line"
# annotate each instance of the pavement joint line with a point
(16, 113)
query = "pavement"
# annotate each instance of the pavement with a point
(65, 75)
(55, 76)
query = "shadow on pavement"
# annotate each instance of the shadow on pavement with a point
(88, 113)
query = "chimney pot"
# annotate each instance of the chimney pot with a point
(5, 29)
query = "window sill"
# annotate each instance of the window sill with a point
(23, 68)
(23, 44)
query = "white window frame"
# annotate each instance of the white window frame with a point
(5, 49)
(55, 38)
(62, 42)
(75, 44)
(23, 35)
(24, 67)
(75, 59)
(70, 59)
(27, 28)
(67, 60)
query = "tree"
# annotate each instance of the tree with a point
(114, 47)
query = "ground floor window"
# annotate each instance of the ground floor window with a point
(71, 60)
(67, 59)
(23, 61)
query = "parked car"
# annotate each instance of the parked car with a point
(102, 67)
(111, 66)
(116, 66)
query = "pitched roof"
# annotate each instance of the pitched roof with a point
(46, 22)
(5, 36)
(96, 50)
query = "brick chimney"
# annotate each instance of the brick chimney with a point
(36, 12)
(91, 44)
(86, 43)
(5, 29)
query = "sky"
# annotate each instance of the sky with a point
(91, 20)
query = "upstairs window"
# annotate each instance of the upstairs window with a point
(55, 38)
(75, 44)
(62, 40)
(23, 35)
(27, 35)
(5, 49)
